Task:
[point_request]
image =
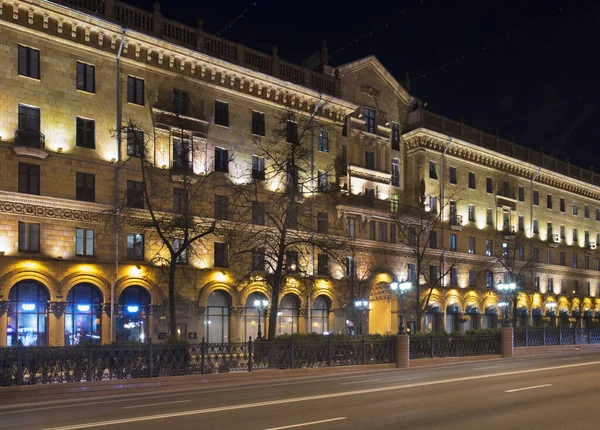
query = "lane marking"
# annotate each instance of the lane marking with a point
(528, 388)
(484, 368)
(155, 404)
(293, 426)
(360, 382)
(319, 397)
(571, 358)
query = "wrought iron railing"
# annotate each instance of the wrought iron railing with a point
(48, 365)
(439, 346)
(530, 336)
(30, 139)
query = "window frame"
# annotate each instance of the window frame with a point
(86, 239)
(30, 71)
(136, 88)
(85, 132)
(323, 141)
(31, 242)
(83, 191)
(258, 123)
(220, 254)
(221, 113)
(26, 171)
(134, 253)
(85, 75)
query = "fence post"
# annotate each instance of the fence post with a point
(89, 363)
(456, 349)
(560, 342)
(364, 351)
(203, 355)
(150, 359)
(478, 343)
(432, 340)
(402, 351)
(507, 347)
(19, 375)
(250, 354)
(526, 336)
(329, 351)
(292, 351)
(588, 335)
(575, 334)
(544, 337)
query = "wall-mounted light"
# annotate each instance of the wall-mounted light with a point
(59, 150)
(136, 271)
(164, 166)
(1, 253)
(113, 160)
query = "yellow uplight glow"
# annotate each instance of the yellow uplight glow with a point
(30, 265)
(135, 271)
(220, 276)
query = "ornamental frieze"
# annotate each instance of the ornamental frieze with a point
(51, 212)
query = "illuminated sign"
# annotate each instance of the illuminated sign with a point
(28, 306)
(132, 309)
(83, 308)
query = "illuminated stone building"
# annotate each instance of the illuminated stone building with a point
(65, 277)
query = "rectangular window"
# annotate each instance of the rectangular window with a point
(323, 143)
(549, 256)
(258, 259)
(453, 242)
(452, 176)
(343, 161)
(370, 160)
(182, 258)
(521, 194)
(563, 259)
(221, 113)
(221, 207)
(383, 236)
(85, 187)
(180, 200)
(586, 211)
(350, 227)
(433, 206)
(598, 264)
(323, 265)
(433, 239)
(395, 136)
(345, 127)
(411, 272)
(550, 285)
(536, 197)
(135, 246)
(291, 132)
(394, 203)
(472, 277)
(135, 90)
(472, 243)
(221, 160)
(291, 220)
(586, 262)
(536, 227)
(563, 286)
(549, 201)
(258, 213)
(504, 249)
(84, 242)
(489, 279)
(372, 230)
(506, 189)
(562, 205)
(29, 127)
(392, 233)
(370, 197)
(395, 172)
(221, 254)
(574, 261)
(453, 276)
(135, 194)
(489, 217)
(86, 133)
(588, 288)
(472, 184)
(258, 168)
(597, 214)
(521, 252)
(181, 102)
(575, 287)
(29, 178)
(549, 230)
(536, 255)
(322, 181)
(433, 170)
(575, 236)
(575, 208)
(29, 62)
(258, 123)
(536, 283)
(29, 237)
(135, 143)
(489, 247)
(323, 222)
(562, 232)
(471, 213)
(350, 266)
(86, 77)
(369, 120)
(433, 274)
(489, 186)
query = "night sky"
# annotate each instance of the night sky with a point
(536, 81)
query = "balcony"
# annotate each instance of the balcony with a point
(182, 168)
(369, 174)
(509, 232)
(31, 143)
(590, 247)
(553, 240)
(456, 222)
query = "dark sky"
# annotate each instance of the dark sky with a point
(537, 81)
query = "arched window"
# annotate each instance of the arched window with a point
(132, 326)
(27, 315)
(320, 315)
(251, 316)
(287, 315)
(490, 317)
(83, 315)
(216, 320)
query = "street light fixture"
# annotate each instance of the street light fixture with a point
(360, 305)
(260, 305)
(507, 289)
(401, 288)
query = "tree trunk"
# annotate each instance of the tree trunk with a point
(172, 307)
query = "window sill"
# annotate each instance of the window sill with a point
(136, 104)
(85, 91)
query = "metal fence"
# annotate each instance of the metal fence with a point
(436, 346)
(555, 336)
(48, 365)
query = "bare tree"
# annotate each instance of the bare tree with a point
(417, 227)
(285, 202)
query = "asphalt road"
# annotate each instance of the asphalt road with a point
(540, 393)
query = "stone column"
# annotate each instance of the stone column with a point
(236, 329)
(303, 321)
(402, 351)
(105, 323)
(56, 323)
(3, 321)
(507, 348)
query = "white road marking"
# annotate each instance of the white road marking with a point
(360, 382)
(571, 358)
(321, 396)
(484, 368)
(156, 404)
(528, 388)
(293, 426)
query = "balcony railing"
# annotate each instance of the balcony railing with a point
(182, 168)
(553, 240)
(456, 222)
(30, 139)
(509, 231)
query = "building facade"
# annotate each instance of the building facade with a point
(74, 74)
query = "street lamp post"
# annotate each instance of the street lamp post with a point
(507, 290)
(400, 288)
(260, 305)
(360, 305)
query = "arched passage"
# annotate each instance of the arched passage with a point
(133, 319)
(216, 318)
(320, 315)
(83, 315)
(287, 314)
(27, 314)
